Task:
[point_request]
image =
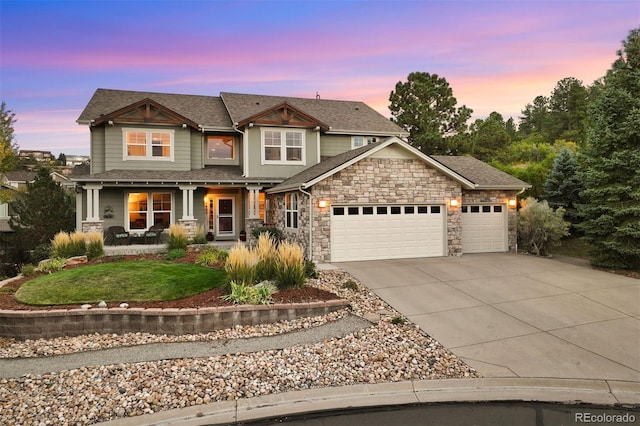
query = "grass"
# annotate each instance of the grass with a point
(572, 247)
(135, 281)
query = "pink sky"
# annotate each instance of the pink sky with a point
(497, 56)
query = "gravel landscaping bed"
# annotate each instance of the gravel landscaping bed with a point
(391, 350)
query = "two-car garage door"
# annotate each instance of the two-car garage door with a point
(387, 232)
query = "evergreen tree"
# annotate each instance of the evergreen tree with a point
(563, 185)
(611, 173)
(41, 211)
(8, 147)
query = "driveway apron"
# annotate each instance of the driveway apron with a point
(512, 315)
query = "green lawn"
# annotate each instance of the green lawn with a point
(135, 281)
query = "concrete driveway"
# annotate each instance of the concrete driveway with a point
(510, 315)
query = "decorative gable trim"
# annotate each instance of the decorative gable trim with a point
(284, 115)
(146, 111)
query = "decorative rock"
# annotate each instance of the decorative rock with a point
(124, 305)
(85, 306)
(76, 260)
(371, 317)
(102, 304)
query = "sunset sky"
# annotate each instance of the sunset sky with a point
(496, 55)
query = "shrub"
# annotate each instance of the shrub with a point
(275, 233)
(178, 237)
(258, 294)
(290, 265)
(350, 285)
(540, 227)
(28, 270)
(310, 270)
(268, 254)
(176, 254)
(78, 244)
(242, 265)
(61, 245)
(200, 236)
(210, 256)
(41, 252)
(94, 245)
(52, 265)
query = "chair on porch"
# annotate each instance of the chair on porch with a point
(118, 235)
(153, 234)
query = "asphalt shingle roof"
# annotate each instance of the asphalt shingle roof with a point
(339, 115)
(204, 110)
(480, 173)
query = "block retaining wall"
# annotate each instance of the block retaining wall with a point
(22, 325)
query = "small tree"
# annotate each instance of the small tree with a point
(41, 211)
(8, 147)
(562, 187)
(540, 227)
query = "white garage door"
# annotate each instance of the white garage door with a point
(484, 228)
(387, 232)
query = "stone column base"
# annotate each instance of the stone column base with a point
(190, 224)
(93, 226)
(249, 226)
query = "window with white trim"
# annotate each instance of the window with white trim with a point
(283, 146)
(4, 210)
(291, 210)
(220, 148)
(358, 141)
(141, 144)
(146, 209)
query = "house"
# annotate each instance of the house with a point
(39, 156)
(20, 178)
(334, 175)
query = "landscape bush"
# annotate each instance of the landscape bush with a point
(540, 227)
(242, 265)
(211, 256)
(200, 236)
(259, 294)
(51, 265)
(275, 233)
(290, 272)
(268, 254)
(176, 254)
(66, 245)
(94, 245)
(178, 237)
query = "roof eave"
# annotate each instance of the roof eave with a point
(365, 132)
(499, 187)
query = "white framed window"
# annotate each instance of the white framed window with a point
(283, 146)
(142, 144)
(358, 141)
(291, 210)
(145, 209)
(4, 210)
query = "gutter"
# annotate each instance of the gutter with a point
(309, 248)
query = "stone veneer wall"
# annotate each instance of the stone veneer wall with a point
(384, 181)
(24, 325)
(276, 215)
(497, 197)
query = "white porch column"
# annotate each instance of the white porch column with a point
(187, 202)
(254, 202)
(93, 201)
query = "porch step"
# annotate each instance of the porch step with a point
(157, 248)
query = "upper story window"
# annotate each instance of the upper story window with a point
(283, 146)
(358, 141)
(140, 144)
(220, 148)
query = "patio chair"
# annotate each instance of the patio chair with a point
(153, 234)
(118, 235)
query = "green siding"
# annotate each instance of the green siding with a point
(197, 142)
(331, 145)
(97, 149)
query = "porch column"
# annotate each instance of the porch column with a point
(187, 202)
(93, 201)
(254, 202)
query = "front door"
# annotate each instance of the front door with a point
(225, 217)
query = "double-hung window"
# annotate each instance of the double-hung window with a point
(141, 144)
(291, 210)
(283, 146)
(358, 141)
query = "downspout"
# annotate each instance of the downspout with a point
(309, 249)
(245, 151)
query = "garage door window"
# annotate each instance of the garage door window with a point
(353, 211)
(367, 210)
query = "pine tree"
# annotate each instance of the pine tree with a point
(41, 211)
(563, 185)
(611, 173)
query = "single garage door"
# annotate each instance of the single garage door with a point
(387, 232)
(484, 228)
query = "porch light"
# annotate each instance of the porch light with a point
(323, 203)
(513, 203)
(453, 202)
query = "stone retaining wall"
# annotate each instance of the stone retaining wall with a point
(24, 325)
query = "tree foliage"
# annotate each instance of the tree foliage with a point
(611, 173)
(563, 185)
(424, 106)
(540, 227)
(8, 147)
(41, 211)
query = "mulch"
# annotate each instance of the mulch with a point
(211, 298)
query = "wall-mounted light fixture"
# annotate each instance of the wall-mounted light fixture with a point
(323, 203)
(453, 202)
(184, 125)
(513, 203)
(110, 122)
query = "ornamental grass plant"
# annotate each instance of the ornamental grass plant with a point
(94, 245)
(290, 271)
(268, 254)
(178, 237)
(242, 265)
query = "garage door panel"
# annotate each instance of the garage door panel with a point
(484, 228)
(388, 232)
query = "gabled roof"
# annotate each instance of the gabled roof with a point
(144, 111)
(481, 174)
(206, 111)
(284, 115)
(349, 117)
(332, 165)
